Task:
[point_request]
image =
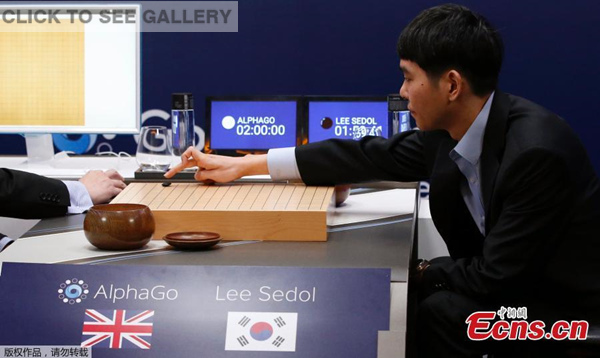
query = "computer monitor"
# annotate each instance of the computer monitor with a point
(249, 124)
(346, 117)
(79, 73)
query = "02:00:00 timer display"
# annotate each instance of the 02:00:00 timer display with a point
(246, 129)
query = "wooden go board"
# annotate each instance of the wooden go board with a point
(282, 212)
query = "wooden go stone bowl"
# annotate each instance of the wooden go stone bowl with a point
(119, 226)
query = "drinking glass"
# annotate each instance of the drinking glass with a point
(154, 151)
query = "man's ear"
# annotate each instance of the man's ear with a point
(456, 84)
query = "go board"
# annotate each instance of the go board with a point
(281, 212)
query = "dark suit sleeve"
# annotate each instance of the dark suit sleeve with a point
(535, 211)
(401, 158)
(29, 196)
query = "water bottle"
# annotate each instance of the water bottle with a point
(182, 125)
(399, 115)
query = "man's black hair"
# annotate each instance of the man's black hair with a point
(453, 37)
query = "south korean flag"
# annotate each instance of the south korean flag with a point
(261, 331)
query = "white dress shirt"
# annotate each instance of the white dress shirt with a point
(282, 164)
(466, 155)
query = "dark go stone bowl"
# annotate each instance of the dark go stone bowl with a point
(119, 226)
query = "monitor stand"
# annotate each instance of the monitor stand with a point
(40, 148)
(41, 159)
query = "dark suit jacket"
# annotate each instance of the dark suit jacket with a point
(29, 196)
(541, 198)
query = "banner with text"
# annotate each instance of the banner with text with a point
(194, 311)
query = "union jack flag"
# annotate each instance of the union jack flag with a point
(117, 329)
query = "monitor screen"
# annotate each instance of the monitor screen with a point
(69, 75)
(252, 124)
(350, 118)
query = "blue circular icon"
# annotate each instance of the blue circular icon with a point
(73, 291)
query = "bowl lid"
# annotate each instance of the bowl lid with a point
(192, 236)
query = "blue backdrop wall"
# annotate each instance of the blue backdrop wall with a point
(348, 47)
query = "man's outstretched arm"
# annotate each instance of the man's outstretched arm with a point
(218, 168)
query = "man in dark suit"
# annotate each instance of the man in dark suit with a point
(513, 193)
(29, 196)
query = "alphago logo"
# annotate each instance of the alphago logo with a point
(73, 291)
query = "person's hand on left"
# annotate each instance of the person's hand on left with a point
(103, 186)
